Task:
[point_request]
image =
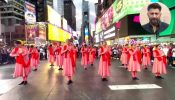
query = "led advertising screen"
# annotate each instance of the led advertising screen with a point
(169, 3)
(41, 31)
(30, 14)
(118, 10)
(171, 27)
(30, 31)
(53, 17)
(57, 34)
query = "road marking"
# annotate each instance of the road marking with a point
(139, 86)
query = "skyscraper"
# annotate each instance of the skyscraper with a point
(58, 5)
(69, 13)
(85, 29)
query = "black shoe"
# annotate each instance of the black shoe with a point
(85, 68)
(35, 70)
(21, 83)
(60, 69)
(135, 78)
(145, 68)
(160, 77)
(92, 64)
(104, 79)
(69, 82)
(25, 82)
(126, 68)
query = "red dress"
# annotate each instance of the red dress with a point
(159, 64)
(51, 57)
(134, 64)
(146, 57)
(85, 56)
(104, 65)
(92, 52)
(59, 57)
(125, 56)
(34, 58)
(22, 65)
(67, 53)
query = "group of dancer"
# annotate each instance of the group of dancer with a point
(133, 58)
(65, 58)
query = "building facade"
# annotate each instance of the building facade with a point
(58, 5)
(12, 14)
(70, 13)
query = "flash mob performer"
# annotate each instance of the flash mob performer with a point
(159, 64)
(134, 64)
(68, 61)
(146, 61)
(75, 50)
(34, 57)
(92, 52)
(59, 57)
(85, 56)
(125, 56)
(104, 65)
(51, 57)
(22, 66)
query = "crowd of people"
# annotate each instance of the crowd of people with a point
(133, 58)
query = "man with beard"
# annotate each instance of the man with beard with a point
(154, 14)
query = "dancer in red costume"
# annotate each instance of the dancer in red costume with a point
(68, 61)
(159, 64)
(34, 57)
(146, 61)
(59, 57)
(104, 65)
(125, 56)
(75, 50)
(22, 66)
(92, 52)
(85, 56)
(134, 64)
(51, 56)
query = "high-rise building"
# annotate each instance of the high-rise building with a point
(40, 6)
(58, 5)
(12, 13)
(70, 13)
(85, 28)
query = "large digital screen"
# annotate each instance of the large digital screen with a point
(171, 27)
(118, 10)
(42, 31)
(30, 14)
(53, 17)
(57, 34)
(169, 3)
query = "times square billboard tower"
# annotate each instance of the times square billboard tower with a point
(85, 29)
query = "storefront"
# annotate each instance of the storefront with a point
(110, 34)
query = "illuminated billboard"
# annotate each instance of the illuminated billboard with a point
(57, 34)
(118, 10)
(30, 14)
(53, 17)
